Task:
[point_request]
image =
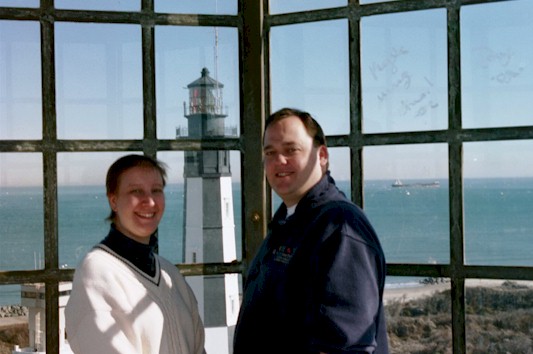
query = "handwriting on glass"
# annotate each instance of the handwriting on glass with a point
(421, 104)
(419, 101)
(389, 62)
(502, 64)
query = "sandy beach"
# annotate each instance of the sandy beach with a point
(422, 290)
(391, 294)
(11, 321)
(413, 292)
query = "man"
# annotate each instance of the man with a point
(316, 284)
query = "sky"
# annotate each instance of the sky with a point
(404, 85)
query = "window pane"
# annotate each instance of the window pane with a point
(10, 296)
(404, 72)
(284, 6)
(20, 80)
(418, 315)
(201, 211)
(182, 54)
(171, 226)
(362, 2)
(499, 316)
(23, 321)
(99, 81)
(208, 7)
(497, 80)
(339, 165)
(21, 211)
(498, 198)
(83, 205)
(19, 3)
(14, 320)
(218, 302)
(406, 199)
(107, 5)
(304, 78)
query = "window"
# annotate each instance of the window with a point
(425, 104)
(432, 107)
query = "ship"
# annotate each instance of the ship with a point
(400, 184)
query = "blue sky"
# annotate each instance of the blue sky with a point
(404, 73)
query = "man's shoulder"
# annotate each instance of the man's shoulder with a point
(345, 215)
(340, 206)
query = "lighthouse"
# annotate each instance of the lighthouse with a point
(209, 226)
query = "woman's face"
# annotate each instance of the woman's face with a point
(139, 203)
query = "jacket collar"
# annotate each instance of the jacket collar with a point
(314, 197)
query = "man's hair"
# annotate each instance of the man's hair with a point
(311, 125)
(117, 169)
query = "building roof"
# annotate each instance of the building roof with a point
(205, 80)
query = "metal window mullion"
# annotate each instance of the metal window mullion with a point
(356, 108)
(149, 100)
(252, 112)
(50, 177)
(457, 275)
(268, 92)
(455, 165)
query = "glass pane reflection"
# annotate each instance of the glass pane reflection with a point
(496, 57)
(362, 2)
(182, 54)
(498, 203)
(286, 6)
(418, 312)
(208, 7)
(21, 211)
(20, 80)
(339, 166)
(99, 81)
(23, 321)
(404, 72)
(499, 315)
(218, 299)
(19, 3)
(99, 5)
(312, 81)
(180, 206)
(406, 200)
(82, 203)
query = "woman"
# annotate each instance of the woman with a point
(125, 298)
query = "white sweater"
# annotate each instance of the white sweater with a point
(116, 308)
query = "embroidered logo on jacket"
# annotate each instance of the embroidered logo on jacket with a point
(283, 254)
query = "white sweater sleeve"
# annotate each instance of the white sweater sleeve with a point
(94, 335)
(93, 315)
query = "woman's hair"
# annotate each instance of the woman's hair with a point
(123, 164)
(311, 125)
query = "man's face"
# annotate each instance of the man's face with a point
(292, 164)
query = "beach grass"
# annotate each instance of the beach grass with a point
(499, 319)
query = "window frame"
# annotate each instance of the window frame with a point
(254, 23)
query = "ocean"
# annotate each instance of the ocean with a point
(412, 222)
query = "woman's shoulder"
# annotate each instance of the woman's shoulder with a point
(170, 268)
(98, 259)
(165, 262)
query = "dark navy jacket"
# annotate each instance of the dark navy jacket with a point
(316, 283)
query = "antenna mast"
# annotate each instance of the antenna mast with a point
(218, 99)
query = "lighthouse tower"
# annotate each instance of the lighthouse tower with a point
(209, 227)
